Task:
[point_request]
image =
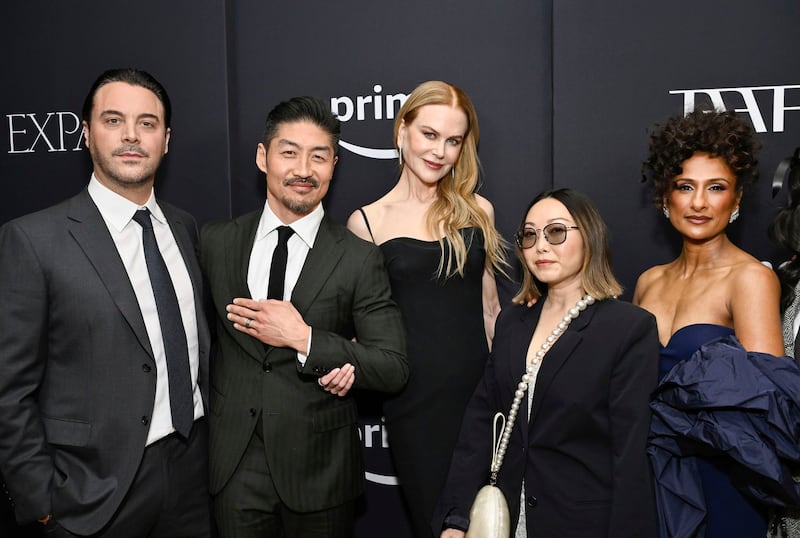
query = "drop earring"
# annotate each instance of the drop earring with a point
(400, 155)
(665, 211)
(734, 214)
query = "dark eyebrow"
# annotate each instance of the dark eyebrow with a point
(726, 180)
(286, 142)
(118, 113)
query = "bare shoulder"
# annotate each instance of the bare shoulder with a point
(650, 276)
(486, 205)
(751, 275)
(646, 282)
(365, 221)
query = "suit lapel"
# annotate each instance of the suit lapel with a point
(561, 352)
(89, 230)
(520, 341)
(319, 265)
(238, 251)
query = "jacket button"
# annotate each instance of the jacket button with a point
(252, 411)
(146, 368)
(532, 502)
(267, 367)
(145, 420)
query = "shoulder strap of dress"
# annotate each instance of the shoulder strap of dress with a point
(366, 221)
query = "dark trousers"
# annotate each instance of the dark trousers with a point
(169, 496)
(250, 507)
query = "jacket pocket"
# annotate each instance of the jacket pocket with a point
(67, 432)
(335, 417)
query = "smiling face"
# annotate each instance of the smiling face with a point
(127, 138)
(557, 266)
(431, 143)
(702, 197)
(299, 166)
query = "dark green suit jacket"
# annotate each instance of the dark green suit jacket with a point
(311, 437)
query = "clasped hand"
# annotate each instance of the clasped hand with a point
(279, 324)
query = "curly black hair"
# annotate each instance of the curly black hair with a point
(784, 231)
(719, 133)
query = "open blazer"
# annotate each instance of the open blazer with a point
(583, 453)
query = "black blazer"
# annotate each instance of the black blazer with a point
(583, 453)
(77, 374)
(314, 455)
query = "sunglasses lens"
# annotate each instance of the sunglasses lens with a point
(556, 233)
(526, 238)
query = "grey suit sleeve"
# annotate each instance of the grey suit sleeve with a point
(26, 465)
(379, 351)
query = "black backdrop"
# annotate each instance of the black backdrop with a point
(565, 92)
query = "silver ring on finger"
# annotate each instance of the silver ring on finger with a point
(248, 322)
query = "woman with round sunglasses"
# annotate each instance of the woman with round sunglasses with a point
(572, 375)
(715, 304)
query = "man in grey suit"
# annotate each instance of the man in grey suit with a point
(303, 312)
(104, 345)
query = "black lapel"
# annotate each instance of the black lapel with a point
(558, 355)
(319, 265)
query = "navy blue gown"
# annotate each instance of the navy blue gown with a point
(729, 513)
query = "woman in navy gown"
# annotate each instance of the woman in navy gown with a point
(699, 165)
(441, 252)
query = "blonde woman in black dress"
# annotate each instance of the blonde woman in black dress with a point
(441, 251)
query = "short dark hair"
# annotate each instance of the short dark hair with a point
(720, 133)
(134, 77)
(597, 278)
(311, 109)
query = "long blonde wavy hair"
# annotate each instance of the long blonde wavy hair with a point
(455, 206)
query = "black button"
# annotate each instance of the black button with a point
(531, 501)
(267, 366)
(145, 420)
(146, 368)
(253, 411)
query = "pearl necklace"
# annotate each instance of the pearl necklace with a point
(501, 444)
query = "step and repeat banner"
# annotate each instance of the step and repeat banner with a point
(565, 93)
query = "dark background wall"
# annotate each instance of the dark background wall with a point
(565, 92)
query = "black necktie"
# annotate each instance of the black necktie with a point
(169, 317)
(277, 271)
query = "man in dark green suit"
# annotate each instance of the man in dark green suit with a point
(285, 456)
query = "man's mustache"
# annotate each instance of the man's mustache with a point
(130, 149)
(309, 180)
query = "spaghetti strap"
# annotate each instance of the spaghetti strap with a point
(367, 223)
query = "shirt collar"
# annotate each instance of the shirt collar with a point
(305, 227)
(117, 210)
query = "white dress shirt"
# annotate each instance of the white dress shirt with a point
(117, 212)
(301, 241)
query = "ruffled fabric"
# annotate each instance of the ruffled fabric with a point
(726, 402)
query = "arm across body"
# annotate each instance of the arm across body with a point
(378, 352)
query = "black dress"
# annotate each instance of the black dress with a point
(447, 352)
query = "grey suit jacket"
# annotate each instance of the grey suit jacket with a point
(311, 439)
(77, 373)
